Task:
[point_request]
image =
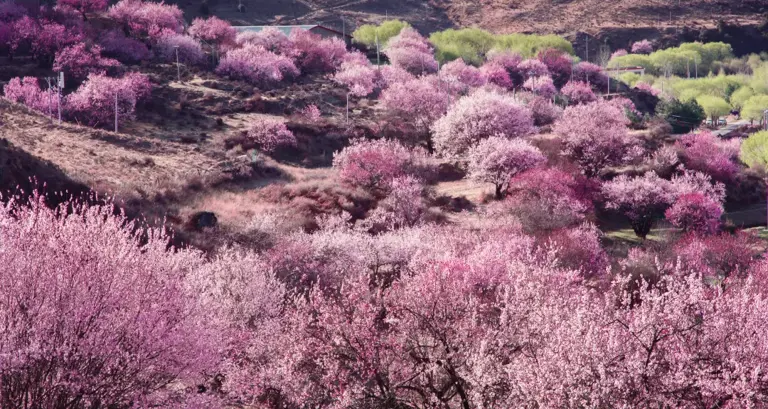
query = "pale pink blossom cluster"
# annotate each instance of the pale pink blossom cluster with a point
(269, 133)
(578, 93)
(412, 52)
(374, 165)
(213, 30)
(257, 65)
(642, 47)
(496, 160)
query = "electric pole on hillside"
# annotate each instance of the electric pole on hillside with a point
(587, 59)
(178, 67)
(115, 111)
(59, 88)
(50, 96)
(378, 58)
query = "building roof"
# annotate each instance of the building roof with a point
(287, 29)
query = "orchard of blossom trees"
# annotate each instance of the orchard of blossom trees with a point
(528, 295)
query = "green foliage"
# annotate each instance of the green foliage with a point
(629, 78)
(472, 44)
(740, 96)
(755, 107)
(714, 107)
(719, 86)
(759, 81)
(678, 60)
(366, 34)
(754, 150)
(633, 60)
(684, 116)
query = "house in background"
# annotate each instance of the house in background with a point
(322, 31)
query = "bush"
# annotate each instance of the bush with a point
(683, 116)
(93, 103)
(126, 50)
(368, 33)
(469, 44)
(478, 116)
(257, 66)
(190, 50)
(269, 134)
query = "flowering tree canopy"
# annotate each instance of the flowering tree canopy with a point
(374, 165)
(269, 133)
(213, 30)
(477, 116)
(695, 212)
(642, 47)
(77, 61)
(578, 93)
(412, 52)
(93, 103)
(708, 153)
(257, 65)
(496, 160)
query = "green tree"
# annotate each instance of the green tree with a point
(754, 150)
(366, 34)
(740, 96)
(684, 116)
(714, 107)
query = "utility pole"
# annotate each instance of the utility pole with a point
(347, 107)
(178, 67)
(378, 57)
(59, 88)
(587, 47)
(115, 111)
(50, 97)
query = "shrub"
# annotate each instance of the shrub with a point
(368, 33)
(683, 116)
(27, 91)
(469, 44)
(126, 50)
(316, 54)
(147, 19)
(578, 93)
(754, 150)
(695, 212)
(477, 116)
(257, 66)
(114, 322)
(373, 165)
(595, 136)
(410, 51)
(707, 153)
(642, 47)
(269, 134)
(93, 103)
(190, 51)
(213, 30)
(77, 61)
(496, 160)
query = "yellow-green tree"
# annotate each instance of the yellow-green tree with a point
(755, 107)
(714, 107)
(740, 96)
(367, 33)
(754, 150)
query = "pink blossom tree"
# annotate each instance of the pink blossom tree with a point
(43, 38)
(559, 65)
(642, 47)
(496, 160)
(412, 52)
(373, 165)
(147, 19)
(313, 53)
(541, 86)
(419, 103)
(647, 88)
(271, 38)
(590, 73)
(532, 68)
(719, 256)
(84, 6)
(695, 212)
(619, 53)
(93, 103)
(467, 75)
(189, 50)
(578, 93)
(269, 134)
(404, 205)
(113, 323)
(511, 62)
(579, 248)
(79, 60)
(213, 30)
(257, 65)
(595, 136)
(361, 79)
(642, 199)
(127, 50)
(391, 74)
(477, 116)
(27, 91)
(496, 74)
(544, 111)
(708, 153)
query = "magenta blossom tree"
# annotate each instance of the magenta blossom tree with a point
(313, 53)
(79, 60)
(84, 6)
(708, 153)
(578, 93)
(541, 86)
(590, 73)
(412, 52)
(404, 205)
(643, 199)
(544, 111)
(213, 30)
(559, 64)
(695, 212)
(127, 50)
(467, 75)
(146, 19)
(478, 116)
(269, 134)
(270, 38)
(496, 160)
(373, 165)
(419, 103)
(27, 91)
(360, 78)
(93, 103)
(595, 136)
(532, 68)
(189, 50)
